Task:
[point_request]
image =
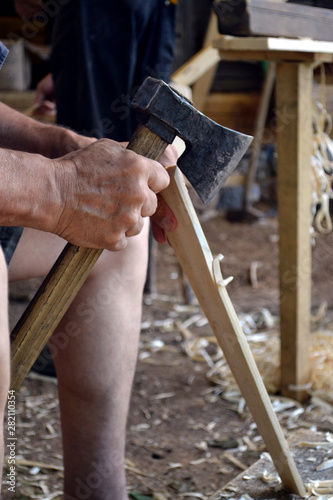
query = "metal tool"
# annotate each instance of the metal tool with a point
(212, 151)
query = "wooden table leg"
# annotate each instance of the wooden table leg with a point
(294, 138)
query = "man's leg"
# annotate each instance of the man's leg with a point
(4, 352)
(95, 351)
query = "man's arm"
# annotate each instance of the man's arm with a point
(23, 133)
(28, 190)
(95, 197)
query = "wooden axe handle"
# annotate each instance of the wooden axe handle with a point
(204, 275)
(63, 282)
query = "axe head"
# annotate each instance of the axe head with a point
(212, 151)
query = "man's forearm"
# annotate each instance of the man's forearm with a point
(29, 194)
(23, 133)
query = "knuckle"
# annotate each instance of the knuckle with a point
(130, 218)
(150, 206)
(115, 241)
(141, 165)
(120, 245)
(139, 194)
(136, 229)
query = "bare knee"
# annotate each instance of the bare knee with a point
(127, 267)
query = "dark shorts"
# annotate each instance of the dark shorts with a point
(9, 238)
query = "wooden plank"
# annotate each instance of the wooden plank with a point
(325, 4)
(18, 100)
(197, 66)
(250, 482)
(202, 87)
(274, 55)
(15, 28)
(294, 140)
(259, 17)
(265, 44)
(204, 275)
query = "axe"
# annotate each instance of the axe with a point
(212, 152)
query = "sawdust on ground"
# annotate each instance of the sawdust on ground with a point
(189, 431)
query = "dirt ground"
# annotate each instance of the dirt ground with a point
(187, 437)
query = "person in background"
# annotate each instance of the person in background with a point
(101, 53)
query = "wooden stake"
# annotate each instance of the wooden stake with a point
(204, 274)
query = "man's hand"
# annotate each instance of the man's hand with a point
(45, 90)
(163, 219)
(27, 8)
(64, 141)
(45, 104)
(106, 192)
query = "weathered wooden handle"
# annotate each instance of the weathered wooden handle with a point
(204, 275)
(63, 282)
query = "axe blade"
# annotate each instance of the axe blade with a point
(208, 171)
(212, 151)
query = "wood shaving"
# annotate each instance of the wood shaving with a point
(194, 495)
(50, 428)
(234, 460)
(226, 470)
(35, 470)
(202, 446)
(173, 465)
(253, 273)
(319, 488)
(32, 463)
(265, 347)
(49, 496)
(250, 445)
(160, 496)
(328, 464)
(163, 395)
(137, 471)
(268, 477)
(199, 461)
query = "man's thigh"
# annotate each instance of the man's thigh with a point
(37, 251)
(34, 255)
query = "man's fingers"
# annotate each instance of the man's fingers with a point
(164, 217)
(158, 233)
(135, 229)
(150, 205)
(169, 157)
(158, 178)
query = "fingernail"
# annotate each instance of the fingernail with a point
(167, 224)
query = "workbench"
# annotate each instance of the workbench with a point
(295, 60)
